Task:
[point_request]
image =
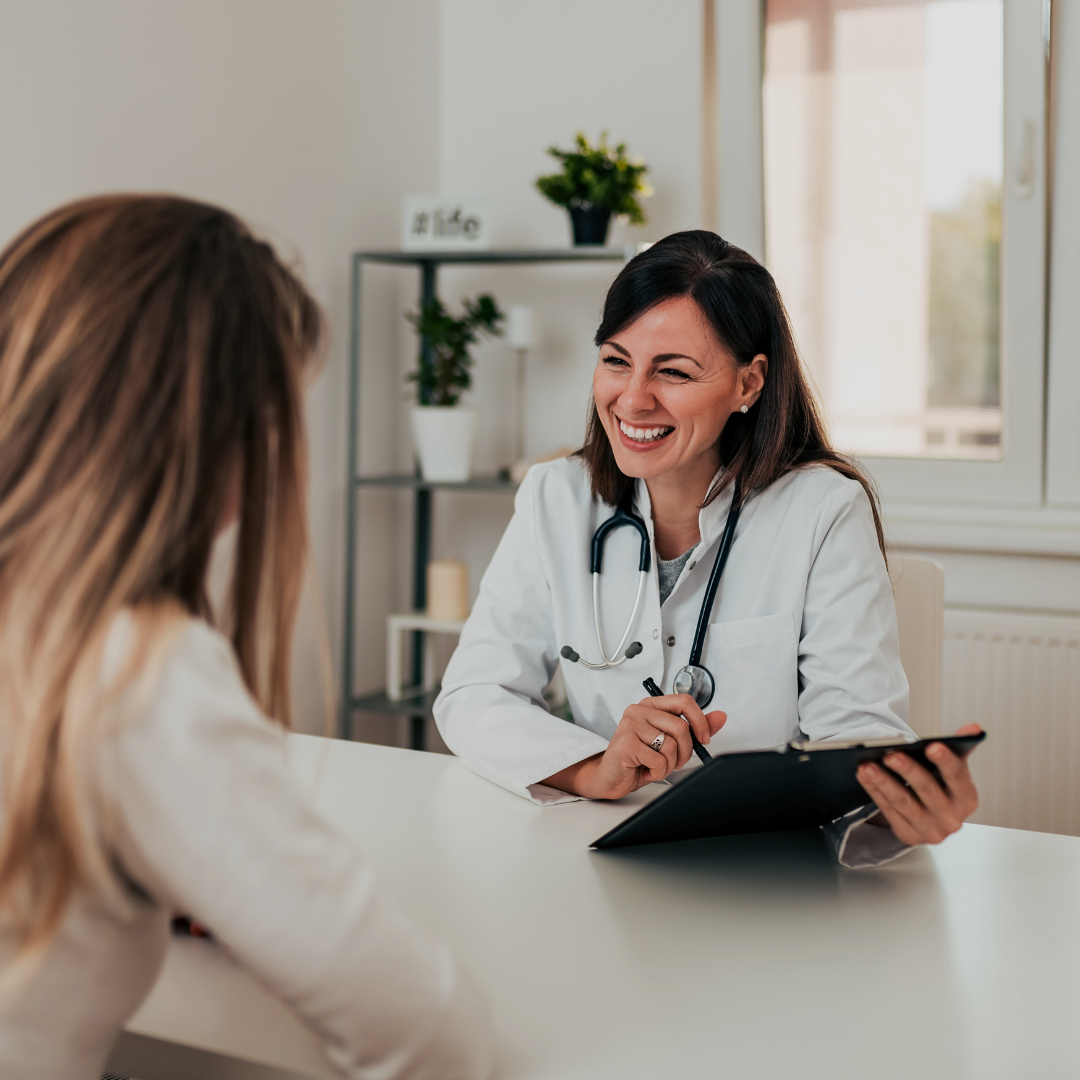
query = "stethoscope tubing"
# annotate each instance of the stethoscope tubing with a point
(624, 515)
(705, 614)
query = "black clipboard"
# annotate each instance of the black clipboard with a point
(800, 786)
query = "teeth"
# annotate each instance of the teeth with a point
(643, 434)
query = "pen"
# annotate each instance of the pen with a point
(700, 750)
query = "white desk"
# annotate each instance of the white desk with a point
(746, 957)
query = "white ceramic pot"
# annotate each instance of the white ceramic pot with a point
(443, 436)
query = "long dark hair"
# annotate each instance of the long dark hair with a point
(783, 429)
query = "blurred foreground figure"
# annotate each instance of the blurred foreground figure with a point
(152, 362)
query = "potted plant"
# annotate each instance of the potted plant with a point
(596, 182)
(444, 431)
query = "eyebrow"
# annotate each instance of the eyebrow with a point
(662, 358)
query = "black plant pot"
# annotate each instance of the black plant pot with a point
(590, 224)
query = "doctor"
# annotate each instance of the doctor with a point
(703, 441)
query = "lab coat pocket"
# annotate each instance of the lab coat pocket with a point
(755, 665)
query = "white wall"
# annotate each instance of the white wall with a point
(515, 79)
(306, 119)
(311, 121)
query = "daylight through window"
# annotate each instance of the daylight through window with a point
(883, 172)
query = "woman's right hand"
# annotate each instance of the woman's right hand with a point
(630, 762)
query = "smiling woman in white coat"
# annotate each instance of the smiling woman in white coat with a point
(701, 419)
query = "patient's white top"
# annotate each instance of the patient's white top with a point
(201, 817)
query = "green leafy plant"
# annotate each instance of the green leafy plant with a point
(443, 372)
(597, 176)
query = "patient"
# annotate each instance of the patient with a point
(152, 360)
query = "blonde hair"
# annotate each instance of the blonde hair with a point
(150, 346)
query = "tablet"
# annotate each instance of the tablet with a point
(798, 786)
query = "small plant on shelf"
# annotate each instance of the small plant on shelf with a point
(596, 182)
(442, 379)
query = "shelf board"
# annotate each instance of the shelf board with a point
(586, 253)
(416, 704)
(406, 480)
(420, 620)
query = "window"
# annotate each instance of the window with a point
(883, 144)
(904, 220)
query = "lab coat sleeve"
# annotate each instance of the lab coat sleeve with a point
(201, 812)
(860, 845)
(851, 682)
(491, 710)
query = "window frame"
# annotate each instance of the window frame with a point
(1063, 351)
(975, 505)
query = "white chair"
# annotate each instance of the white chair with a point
(919, 589)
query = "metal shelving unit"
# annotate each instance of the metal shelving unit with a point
(417, 707)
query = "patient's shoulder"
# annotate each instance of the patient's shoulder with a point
(170, 666)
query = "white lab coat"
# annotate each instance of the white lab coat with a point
(802, 636)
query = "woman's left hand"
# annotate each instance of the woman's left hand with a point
(927, 810)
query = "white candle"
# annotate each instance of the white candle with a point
(447, 589)
(521, 327)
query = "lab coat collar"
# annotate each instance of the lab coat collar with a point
(711, 518)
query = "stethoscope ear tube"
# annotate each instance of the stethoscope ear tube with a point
(632, 650)
(616, 659)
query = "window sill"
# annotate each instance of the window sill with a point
(1043, 531)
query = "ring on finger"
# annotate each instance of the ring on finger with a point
(657, 742)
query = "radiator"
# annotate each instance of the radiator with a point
(1018, 675)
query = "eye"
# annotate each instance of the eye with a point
(614, 361)
(679, 376)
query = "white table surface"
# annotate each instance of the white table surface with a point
(744, 957)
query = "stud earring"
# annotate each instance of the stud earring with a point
(743, 408)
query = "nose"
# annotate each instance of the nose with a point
(637, 395)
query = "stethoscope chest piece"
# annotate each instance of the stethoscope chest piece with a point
(695, 681)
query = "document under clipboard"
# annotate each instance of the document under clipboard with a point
(800, 786)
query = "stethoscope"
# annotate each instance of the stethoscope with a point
(692, 678)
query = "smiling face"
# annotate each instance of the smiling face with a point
(664, 389)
